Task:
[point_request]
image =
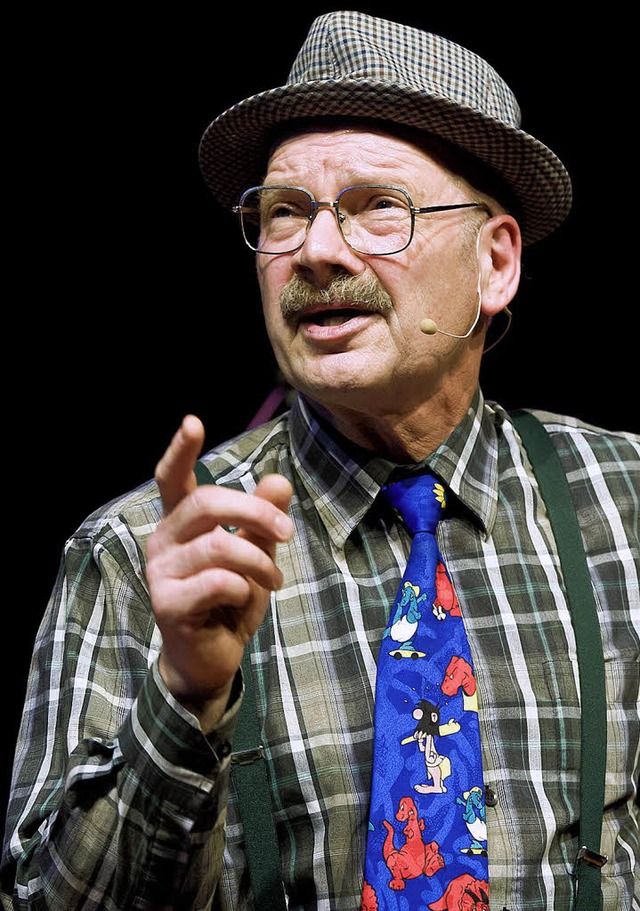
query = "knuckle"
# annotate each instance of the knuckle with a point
(214, 545)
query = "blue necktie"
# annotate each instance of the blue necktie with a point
(426, 845)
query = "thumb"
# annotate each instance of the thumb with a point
(276, 489)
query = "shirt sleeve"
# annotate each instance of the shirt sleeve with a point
(116, 791)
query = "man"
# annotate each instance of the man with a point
(387, 190)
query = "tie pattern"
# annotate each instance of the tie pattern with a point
(426, 845)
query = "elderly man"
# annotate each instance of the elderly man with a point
(386, 190)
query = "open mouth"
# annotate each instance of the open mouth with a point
(334, 317)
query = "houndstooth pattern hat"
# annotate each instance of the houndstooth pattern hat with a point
(355, 65)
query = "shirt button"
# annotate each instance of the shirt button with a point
(490, 798)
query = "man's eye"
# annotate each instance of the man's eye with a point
(379, 203)
(285, 210)
(383, 203)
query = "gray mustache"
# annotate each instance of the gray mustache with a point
(363, 293)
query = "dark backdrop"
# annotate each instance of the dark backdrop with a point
(134, 300)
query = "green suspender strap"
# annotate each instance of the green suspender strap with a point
(553, 484)
(249, 777)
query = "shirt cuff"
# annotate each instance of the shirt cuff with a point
(166, 739)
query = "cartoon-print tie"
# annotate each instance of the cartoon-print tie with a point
(427, 838)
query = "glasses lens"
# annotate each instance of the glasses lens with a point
(275, 219)
(375, 220)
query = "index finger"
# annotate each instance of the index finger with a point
(174, 472)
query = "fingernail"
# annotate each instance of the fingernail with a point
(284, 527)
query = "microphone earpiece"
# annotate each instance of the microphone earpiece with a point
(428, 326)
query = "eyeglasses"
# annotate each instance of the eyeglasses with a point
(375, 220)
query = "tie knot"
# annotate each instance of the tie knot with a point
(420, 500)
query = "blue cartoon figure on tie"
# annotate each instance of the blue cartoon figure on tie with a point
(405, 622)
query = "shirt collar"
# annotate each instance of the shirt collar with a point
(343, 480)
(467, 461)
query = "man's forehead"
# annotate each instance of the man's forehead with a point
(357, 150)
(356, 126)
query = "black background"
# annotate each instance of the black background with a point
(134, 301)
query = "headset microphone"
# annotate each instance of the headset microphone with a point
(428, 326)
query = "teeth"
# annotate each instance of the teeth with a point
(336, 320)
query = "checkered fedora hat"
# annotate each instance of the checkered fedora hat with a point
(354, 65)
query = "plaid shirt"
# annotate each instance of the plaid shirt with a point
(118, 801)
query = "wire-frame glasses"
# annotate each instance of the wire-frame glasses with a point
(374, 219)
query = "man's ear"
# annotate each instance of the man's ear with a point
(499, 257)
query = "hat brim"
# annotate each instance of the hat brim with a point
(234, 148)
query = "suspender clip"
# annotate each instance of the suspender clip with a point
(591, 857)
(246, 757)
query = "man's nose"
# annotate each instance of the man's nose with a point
(324, 236)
